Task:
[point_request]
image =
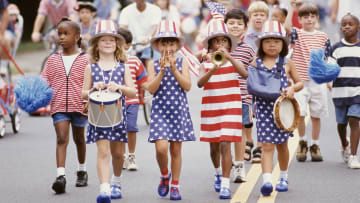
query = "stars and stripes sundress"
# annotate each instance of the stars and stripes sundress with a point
(117, 76)
(267, 131)
(170, 116)
(221, 107)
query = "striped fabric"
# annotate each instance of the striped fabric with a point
(304, 43)
(216, 27)
(216, 7)
(106, 27)
(221, 112)
(346, 88)
(191, 60)
(246, 55)
(138, 75)
(67, 89)
(167, 28)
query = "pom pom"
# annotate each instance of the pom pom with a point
(32, 93)
(319, 70)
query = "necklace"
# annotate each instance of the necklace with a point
(110, 74)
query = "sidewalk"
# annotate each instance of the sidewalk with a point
(30, 61)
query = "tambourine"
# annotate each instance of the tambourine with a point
(286, 113)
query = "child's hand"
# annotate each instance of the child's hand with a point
(172, 61)
(293, 3)
(99, 85)
(205, 56)
(225, 52)
(113, 87)
(289, 91)
(329, 86)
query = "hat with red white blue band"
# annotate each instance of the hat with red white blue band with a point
(217, 28)
(106, 28)
(167, 29)
(273, 29)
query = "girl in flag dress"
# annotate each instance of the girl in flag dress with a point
(169, 80)
(221, 103)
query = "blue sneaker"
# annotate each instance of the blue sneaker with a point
(163, 188)
(103, 199)
(175, 194)
(282, 185)
(225, 193)
(217, 183)
(267, 189)
(115, 192)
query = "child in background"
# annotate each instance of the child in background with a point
(346, 54)
(305, 40)
(221, 117)
(86, 11)
(169, 79)
(279, 14)
(108, 71)
(64, 72)
(139, 77)
(273, 48)
(236, 21)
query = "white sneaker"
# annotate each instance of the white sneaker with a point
(3, 71)
(353, 162)
(239, 173)
(345, 153)
(126, 163)
(132, 163)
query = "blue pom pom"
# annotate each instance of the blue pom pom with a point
(319, 70)
(32, 93)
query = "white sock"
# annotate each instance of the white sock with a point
(82, 167)
(303, 138)
(267, 178)
(225, 182)
(131, 154)
(218, 171)
(4, 63)
(60, 171)
(317, 142)
(115, 180)
(105, 189)
(283, 174)
(239, 163)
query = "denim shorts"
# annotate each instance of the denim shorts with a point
(344, 112)
(247, 115)
(132, 114)
(75, 118)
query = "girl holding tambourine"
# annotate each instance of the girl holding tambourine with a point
(273, 48)
(107, 71)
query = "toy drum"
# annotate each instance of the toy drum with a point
(105, 110)
(286, 113)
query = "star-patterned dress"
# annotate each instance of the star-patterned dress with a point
(170, 116)
(267, 131)
(117, 134)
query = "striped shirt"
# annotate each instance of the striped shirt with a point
(346, 88)
(138, 75)
(304, 42)
(67, 88)
(246, 55)
(221, 111)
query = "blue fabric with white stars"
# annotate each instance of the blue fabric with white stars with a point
(117, 134)
(267, 131)
(170, 116)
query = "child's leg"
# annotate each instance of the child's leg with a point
(301, 127)
(239, 150)
(316, 124)
(162, 154)
(341, 127)
(215, 154)
(117, 157)
(354, 134)
(175, 152)
(283, 156)
(79, 139)
(226, 162)
(267, 157)
(314, 145)
(102, 162)
(62, 141)
(131, 142)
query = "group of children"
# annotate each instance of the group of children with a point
(226, 105)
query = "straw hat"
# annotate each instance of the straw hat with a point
(106, 28)
(217, 27)
(167, 29)
(273, 29)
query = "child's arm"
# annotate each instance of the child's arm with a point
(205, 76)
(129, 88)
(182, 77)
(238, 65)
(153, 79)
(298, 84)
(289, 17)
(39, 21)
(87, 83)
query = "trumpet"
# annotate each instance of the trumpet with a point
(218, 58)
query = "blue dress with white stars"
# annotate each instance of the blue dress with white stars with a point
(117, 76)
(170, 116)
(267, 131)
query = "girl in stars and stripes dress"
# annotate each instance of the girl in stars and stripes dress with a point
(171, 124)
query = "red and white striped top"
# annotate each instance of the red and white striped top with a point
(305, 43)
(138, 75)
(221, 109)
(67, 88)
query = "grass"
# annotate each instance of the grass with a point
(29, 46)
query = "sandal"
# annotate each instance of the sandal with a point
(256, 155)
(248, 148)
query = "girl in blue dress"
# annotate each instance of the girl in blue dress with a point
(171, 124)
(107, 71)
(273, 48)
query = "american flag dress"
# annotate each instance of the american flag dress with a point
(221, 107)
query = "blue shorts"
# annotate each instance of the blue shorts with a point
(132, 114)
(75, 118)
(247, 114)
(344, 112)
(149, 53)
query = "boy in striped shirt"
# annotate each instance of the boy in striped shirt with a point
(305, 40)
(346, 88)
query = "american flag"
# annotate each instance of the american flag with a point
(191, 59)
(217, 10)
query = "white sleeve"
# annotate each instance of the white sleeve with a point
(156, 16)
(124, 19)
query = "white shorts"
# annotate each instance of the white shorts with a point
(316, 96)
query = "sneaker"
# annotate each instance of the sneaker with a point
(175, 194)
(266, 189)
(225, 193)
(217, 183)
(82, 179)
(345, 153)
(125, 163)
(239, 173)
(115, 192)
(353, 162)
(132, 163)
(282, 185)
(102, 198)
(163, 188)
(315, 153)
(59, 185)
(302, 150)
(3, 71)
